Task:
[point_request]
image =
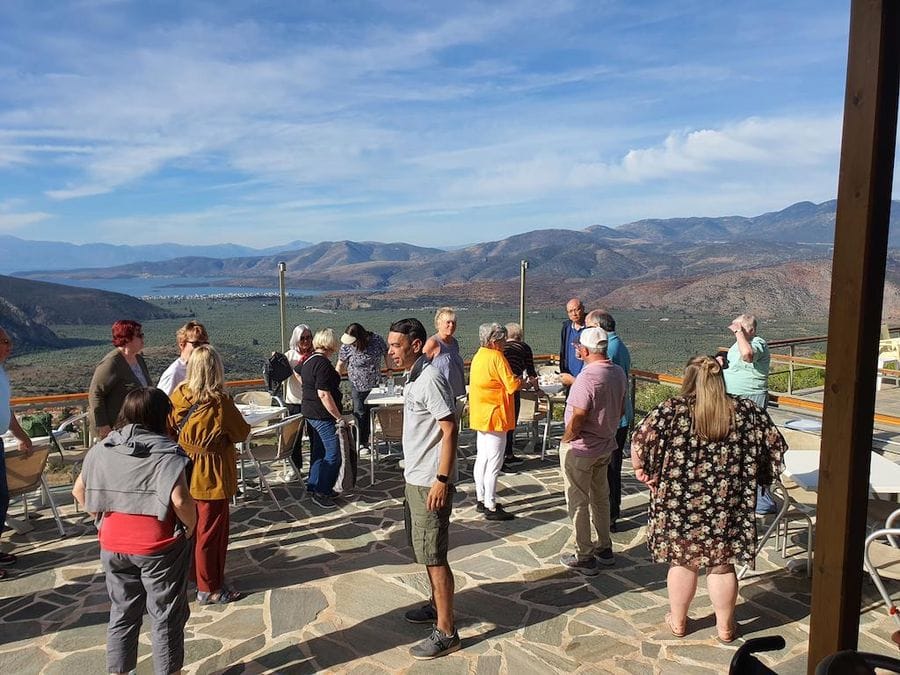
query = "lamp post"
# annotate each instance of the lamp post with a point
(523, 265)
(282, 266)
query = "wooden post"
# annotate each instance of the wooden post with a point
(857, 288)
(791, 372)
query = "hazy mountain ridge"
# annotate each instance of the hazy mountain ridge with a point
(24, 255)
(648, 261)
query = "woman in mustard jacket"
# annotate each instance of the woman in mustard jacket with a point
(492, 385)
(208, 435)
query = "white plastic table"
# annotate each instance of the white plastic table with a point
(803, 467)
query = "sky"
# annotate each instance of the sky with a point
(433, 123)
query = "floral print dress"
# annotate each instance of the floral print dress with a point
(703, 511)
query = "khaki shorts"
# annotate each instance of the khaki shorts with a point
(427, 531)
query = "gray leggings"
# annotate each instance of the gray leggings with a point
(158, 583)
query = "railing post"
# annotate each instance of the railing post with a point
(791, 372)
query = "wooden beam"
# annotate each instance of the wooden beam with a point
(857, 288)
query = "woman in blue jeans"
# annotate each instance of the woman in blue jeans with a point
(322, 408)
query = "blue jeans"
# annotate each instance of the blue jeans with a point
(324, 456)
(4, 489)
(361, 412)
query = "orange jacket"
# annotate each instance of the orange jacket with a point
(491, 388)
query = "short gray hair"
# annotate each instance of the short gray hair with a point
(491, 332)
(513, 331)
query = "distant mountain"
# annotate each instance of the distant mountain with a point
(803, 222)
(675, 252)
(21, 255)
(28, 307)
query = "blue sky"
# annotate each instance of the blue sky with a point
(435, 123)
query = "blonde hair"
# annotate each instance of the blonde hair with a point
(713, 410)
(191, 331)
(325, 339)
(205, 374)
(443, 311)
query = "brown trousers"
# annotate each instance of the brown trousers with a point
(211, 544)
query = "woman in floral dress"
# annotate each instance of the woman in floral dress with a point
(702, 454)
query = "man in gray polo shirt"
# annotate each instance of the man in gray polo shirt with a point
(429, 454)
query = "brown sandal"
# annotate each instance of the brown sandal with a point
(728, 636)
(677, 633)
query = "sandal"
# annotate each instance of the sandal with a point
(727, 637)
(222, 597)
(677, 633)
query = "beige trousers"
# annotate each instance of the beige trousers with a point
(587, 497)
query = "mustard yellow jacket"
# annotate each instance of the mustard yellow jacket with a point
(208, 438)
(491, 388)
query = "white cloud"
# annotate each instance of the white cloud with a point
(10, 222)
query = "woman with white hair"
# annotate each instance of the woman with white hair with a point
(322, 409)
(301, 348)
(442, 349)
(491, 414)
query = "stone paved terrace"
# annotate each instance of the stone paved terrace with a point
(327, 592)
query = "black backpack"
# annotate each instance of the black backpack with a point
(276, 369)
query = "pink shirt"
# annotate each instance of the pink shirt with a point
(600, 389)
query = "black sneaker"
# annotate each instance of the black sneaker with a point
(479, 507)
(323, 501)
(424, 614)
(612, 526)
(506, 468)
(605, 557)
(588, 566)
(513, 460)
(435, 645)
(497, 514)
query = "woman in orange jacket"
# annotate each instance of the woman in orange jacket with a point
(491, 414)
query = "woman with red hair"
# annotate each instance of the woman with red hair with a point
(119, 372)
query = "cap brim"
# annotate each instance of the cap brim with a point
(347, 339)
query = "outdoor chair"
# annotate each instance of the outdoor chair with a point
(531, 414)
(387, 427)
(262, 398)
(284, 432)
(882, 559)
(26, 474)
(888, 352)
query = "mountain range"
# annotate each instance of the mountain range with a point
(775, 262)
(21, 255)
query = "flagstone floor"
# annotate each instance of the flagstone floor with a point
(327, 593)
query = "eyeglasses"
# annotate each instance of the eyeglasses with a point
(306, 337)
(5, 341)
(139, 335)
(198, 343)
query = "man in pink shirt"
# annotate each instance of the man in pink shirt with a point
(594, 407)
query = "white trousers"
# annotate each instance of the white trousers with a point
(491, 446)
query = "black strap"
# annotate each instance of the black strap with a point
(184, 420)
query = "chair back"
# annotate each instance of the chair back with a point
(23, 474)
(254, 398)
(528, 408)
(390, 419)
(284, 432)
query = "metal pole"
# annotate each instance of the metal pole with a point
(791, 372)
(523, 265)
(282, 266)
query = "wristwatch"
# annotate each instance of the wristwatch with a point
(441, 478)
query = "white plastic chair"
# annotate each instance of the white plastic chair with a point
(882, 559)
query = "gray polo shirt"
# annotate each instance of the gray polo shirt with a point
(426, 399)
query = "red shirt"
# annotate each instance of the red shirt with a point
(135, 534)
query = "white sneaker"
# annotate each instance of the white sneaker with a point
(364, 450)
